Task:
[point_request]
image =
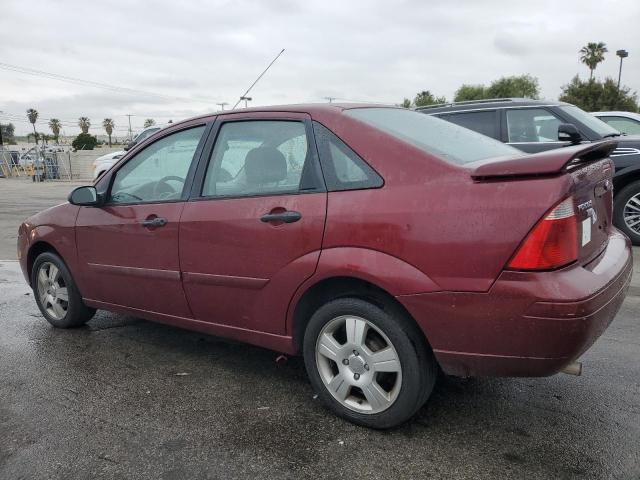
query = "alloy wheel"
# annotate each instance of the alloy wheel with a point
(358, 364)
(52, 291)
(631, 213)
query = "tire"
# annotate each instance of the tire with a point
(52, 283)
(343, 370)
(625, 204)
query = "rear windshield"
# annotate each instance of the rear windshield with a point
(447, 140)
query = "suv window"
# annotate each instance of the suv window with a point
(623, 124)
(257, 157)
(532, 125)
(433, 135)
(158, 172)
(342, 167)
(484, 122)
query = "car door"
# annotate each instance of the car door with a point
(128, 248)
(532, 130)
(252, 231)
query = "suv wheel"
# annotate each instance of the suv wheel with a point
(626, 211)
(56, 293)
(368, 365)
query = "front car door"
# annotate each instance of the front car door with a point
(252, 231)
(128, 248)
(532, 130)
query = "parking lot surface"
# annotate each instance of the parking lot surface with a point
(127, 398)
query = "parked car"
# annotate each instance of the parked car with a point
(146, 133)
(539, 125)
(624, 122)
(380, 243)
(105, 162)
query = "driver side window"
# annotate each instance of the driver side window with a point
(158, 172)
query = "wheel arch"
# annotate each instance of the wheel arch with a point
(624, 177)
(332, 288)
(36, 249)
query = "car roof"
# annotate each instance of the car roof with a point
(488, 103)
(310, 108)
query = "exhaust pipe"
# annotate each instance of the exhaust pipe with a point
(574, 368)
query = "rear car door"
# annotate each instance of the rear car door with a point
(128, 248)
(252, 231)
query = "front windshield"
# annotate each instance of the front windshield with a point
(590, 121)
(447, 140)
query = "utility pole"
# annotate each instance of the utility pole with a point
(130, 134)
(331, 99)
(1, 144)
(222, 104)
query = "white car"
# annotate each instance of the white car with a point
(625, 122)
(105, 162)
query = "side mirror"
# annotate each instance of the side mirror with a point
(567, 132)
(86, 196)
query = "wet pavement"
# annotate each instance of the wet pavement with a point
(127, 398)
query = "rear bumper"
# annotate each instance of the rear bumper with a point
(529, 323)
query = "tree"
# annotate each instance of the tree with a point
(84, 141)
(8, 133)
(592, 54)
(149, 122)
(32, 115)
(470, 92)
(425, 98)
(524, 86)
(593, 96)
(84, 123)
(108, 125)
(406, 103)
(55, 126)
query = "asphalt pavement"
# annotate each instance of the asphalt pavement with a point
(126, 398)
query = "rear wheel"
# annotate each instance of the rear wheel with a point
(368, 365)
(626, 211)
(56, 293)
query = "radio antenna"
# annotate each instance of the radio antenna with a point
(244, 95)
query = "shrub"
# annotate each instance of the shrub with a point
(84, 141)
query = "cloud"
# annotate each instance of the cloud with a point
(206, 52)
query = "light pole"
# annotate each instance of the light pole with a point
(622, 54)
(246, 99)
(222, 104)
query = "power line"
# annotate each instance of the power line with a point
(91, 83)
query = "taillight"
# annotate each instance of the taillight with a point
(553, 242)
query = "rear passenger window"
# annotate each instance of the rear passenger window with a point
(343, 169)
(261, 157)
(484, 122)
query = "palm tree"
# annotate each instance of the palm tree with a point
(108, 125)
(32, 115)
(149, 122)
(84, 123)
(55, 126)
(592, 54)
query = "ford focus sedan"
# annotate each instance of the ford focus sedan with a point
(381, 244)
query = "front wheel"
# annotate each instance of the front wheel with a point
(369, 365)
(56, 293)
(626, 211)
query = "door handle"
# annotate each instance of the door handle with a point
(288, 216)
(154, 222)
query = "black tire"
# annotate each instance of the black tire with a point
(77, 313)
(621, 199)
(418, 366)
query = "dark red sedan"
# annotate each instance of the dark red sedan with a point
(380, 243)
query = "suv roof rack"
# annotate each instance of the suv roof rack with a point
(470, 102)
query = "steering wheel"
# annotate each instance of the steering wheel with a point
(169, 190)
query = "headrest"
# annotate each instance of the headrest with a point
(265, 165)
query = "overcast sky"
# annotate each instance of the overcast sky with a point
(197, 53)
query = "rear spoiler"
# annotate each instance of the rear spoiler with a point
(550, 162)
